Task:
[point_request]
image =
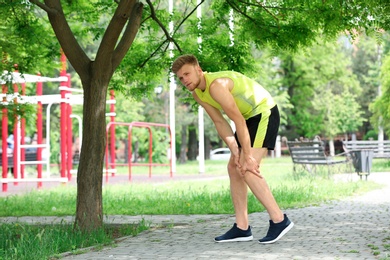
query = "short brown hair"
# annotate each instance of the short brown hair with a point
(182, 60)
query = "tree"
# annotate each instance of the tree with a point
(314, 78)
(125, 64)
(347, 106)
(95, 76)
(366, 67)
(381, 105)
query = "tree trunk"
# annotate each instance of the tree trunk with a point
(331, 147)
(126, 150)
(135, 151)
(89, 213)
(207, 147)
(183, 146)
(192, 143)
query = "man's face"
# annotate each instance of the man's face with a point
(189, 75)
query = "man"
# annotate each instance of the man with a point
(256, 118)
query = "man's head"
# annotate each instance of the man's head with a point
(182, 60)
(187, 69)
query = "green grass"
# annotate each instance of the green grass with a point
(189, 197)
(197, 197)
(381, 165)
(21, 241)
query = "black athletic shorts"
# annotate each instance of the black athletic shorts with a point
(263, 129)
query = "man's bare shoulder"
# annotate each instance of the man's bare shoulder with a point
(222, 84)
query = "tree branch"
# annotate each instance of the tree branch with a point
(266, 9)
(113, 31)
(168, 37)
(147, 18)
(65, 36)
(185, 18)
(151, 55)
(154, 17)
(129, 35)
(235, 8)
(269, 7)
(43, 6)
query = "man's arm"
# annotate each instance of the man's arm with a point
(220, 91)
(223, 127)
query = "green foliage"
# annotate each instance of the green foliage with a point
(268, 75)
(366, 66)
(290, 25)
(283, 25)
(318, 80)
(348, 113)
(381, 106)
(16, 109)
(55, 151)
(17, 106)
(27, 39)
(372, 134)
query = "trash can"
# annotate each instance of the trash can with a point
(362, 161)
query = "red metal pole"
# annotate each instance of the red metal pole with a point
(171, 152)
(69, 133)
(16, 137)
(112, 132)
(22, 135)
(130, 133)
(39, 132)
(106, 157)
(150, 151)
(63, 117)
(4, 136)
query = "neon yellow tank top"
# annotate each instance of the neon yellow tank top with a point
(250, 97)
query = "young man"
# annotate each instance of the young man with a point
(256, 118)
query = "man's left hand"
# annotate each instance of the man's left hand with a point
(249, 164)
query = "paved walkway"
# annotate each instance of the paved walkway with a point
(355, 228)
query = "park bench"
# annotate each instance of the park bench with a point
(31, 156)
(308, 155)
(381, 149)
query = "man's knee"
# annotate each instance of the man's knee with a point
(231, 167)
(234, 173)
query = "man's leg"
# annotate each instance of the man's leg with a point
(241, 230)
(260, 189)
(279, 222)
(239, 194)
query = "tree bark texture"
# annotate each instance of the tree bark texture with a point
(207, 147)
(89, 211)
(192, 143)
(183, 146)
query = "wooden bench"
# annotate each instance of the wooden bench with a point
(380, 149)
(309, 154)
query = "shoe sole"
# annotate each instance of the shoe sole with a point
(238, 239)
(280, 235)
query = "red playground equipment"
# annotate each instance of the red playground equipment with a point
(110, 164)
(18, 156)
(22, 154)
